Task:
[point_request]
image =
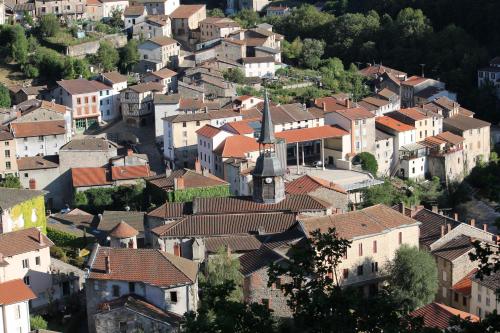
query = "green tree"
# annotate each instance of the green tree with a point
(220, 268)
(219, 314)
(116, 18)
(80, 200)
(28, 19)
(235, 75)
(412, 277)
(247, 18)
(38, 323)
(384, 193)
(10, 181)
(4, 97)
(129, 55)
(49, 63)
(215, 12)
(368, 162)
(412, 23)
(312, 51)
(293, 51)
(107, 56)
(49, 25)
(19, 45)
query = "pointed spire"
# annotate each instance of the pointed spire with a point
(267, 128)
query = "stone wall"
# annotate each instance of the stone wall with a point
(255, 290)
(81, 50)
(113, 322)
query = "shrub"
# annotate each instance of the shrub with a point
(368, 162)
(58, 253)
(38, 323)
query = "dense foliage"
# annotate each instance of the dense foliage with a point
(413, 277)
(4, 96)
(486, 178)
(10, 181)
(38, 323)
(368, 162)
(96, 200)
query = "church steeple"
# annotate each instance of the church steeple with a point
(267, 128)
(268, 183)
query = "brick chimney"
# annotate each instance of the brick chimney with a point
(178, 183)
(442, 230)
(40, 238)
(485, 226)
(455, 216)
(197, 166)
(449, 227)
(434, 208)
(107, 263)
(473, 222)
(130, 152)
(324, 107)
(32, 184)
(348, 103)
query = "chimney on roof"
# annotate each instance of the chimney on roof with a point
(107, 263)
(442, 230)
(178, 183)
(206, 109)
(348, 103)
(473, 222)
(485, 226)
(205, 172)
(40, 238)
(434, 208)
(197, 166)
(401, 207)
(448, 226)
(130, 152)
(168, 171)
(455, 216)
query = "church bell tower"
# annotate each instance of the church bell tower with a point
(268, 183)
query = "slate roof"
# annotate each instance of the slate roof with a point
(148, 86)
(491, 281)
(9, 197)
(430, 227)
(439, 315)
(171, 210)
(368, 221)
(227, 224)
(149, 266)
(22, 241)
(381, 135)
(89, 144)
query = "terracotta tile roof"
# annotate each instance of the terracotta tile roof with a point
(272, 250)
(123, 230)
(22, 241)
(241, 127)
(307, 184)
(115, 77)
(9, 197)
(414, 80)
(439, 315)
(208, 131)
(40, 128)
(163, 40)
(455, 248)
(75, 218)
(368, 221)
(311, 134)
(491, 281)
(236, 205)
(257, 60)
(94, 3)
(372, 71)
(464, 286)
(171, 210)
(53, 106)
(386, 93)
(227, 224)
(83, 177)
(130, 172)
(251, 113)
(430, 227)
(330, 103)
(191, 178)
(81, 86)
(38, 162)
(186, 11)
(355, 113)
(378, 102)
(15, 291)
(236, 244)
(393, 124)
(149, 266)
(463, 123)
(450, 138)
(190, 104)
(237, 146)
(5, 134)
(134, 10)
(148, 86)
(138, 305)
(164, 73)
(413, 114)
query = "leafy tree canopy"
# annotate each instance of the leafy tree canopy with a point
(4, 97)
(49, 25)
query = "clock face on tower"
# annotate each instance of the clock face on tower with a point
(268, 180)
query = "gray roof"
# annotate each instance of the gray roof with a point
(167, 99)
(381, 135)
(490, 281)
(111, 218)
(267, 129)
(9, 197)
(89, 144)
